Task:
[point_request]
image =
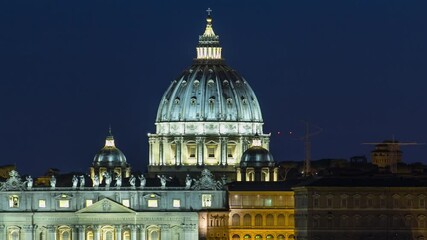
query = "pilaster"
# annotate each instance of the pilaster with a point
(28, 232)
(224, 155)
(178, 150)
(151, 142)
(51, 230)
(200, 143)
(133, 229)
(165, 231)
(119, 232)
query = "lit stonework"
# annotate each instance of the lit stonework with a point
(207, 117)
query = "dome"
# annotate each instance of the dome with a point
(109, 155)
(257, 156)
(209, 90)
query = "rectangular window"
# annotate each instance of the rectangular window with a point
(153, 203)
(268, 202)
(176, 203)
(64, 203)
(329, 202)
(422, 203)
(14, 201)
(192, 151)
(316, 202)
(126, 202)
(206, 200)
(344, 202)
(211, 151)
(42, 203)
(89, 202)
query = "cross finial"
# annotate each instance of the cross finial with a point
(209, 10)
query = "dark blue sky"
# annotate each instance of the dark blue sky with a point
(68, 69)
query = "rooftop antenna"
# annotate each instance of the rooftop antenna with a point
(307, 146)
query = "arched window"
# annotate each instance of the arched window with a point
(247, 220)
(258, 236)
(269, 236)
(281, 220)
(280, 237)
(89, 235)
(258, 220)
(235, 237)
(269, 220)
(235, 220)
(14, 233)
(247, 236)
(126, 235)
(64, 233)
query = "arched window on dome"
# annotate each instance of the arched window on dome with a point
(177, 100)
(235, 237)
(196, 83)
(193, 101)
(211, 82)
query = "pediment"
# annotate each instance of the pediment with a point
(106, 206)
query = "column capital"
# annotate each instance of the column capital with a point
(2, 226)
(28, 227)
(50, 228)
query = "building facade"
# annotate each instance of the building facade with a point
(384, 208)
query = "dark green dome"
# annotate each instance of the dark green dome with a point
(257, 156)
(109, 155)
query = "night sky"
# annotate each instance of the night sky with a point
(69, 69)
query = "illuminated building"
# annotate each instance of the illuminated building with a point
(260, 206)
(379, 207)
(206, 118)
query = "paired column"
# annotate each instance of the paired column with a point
(96, 232)
(132, 232)
(200, 144)
(81, 232)
(224, 155)
(50, 232)
(165, 231)
(3, 232)
(142, 232)
(178, 150)
(119, 232)
(151, 142)
(28, 232)
(161, 155)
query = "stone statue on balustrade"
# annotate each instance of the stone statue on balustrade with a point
(95, 181)
(142, 181)
(132, 180)
(29, 182)
(75, 181)
(53, 182)
(118, 181)
(108, 179)
(82, 181)
(163, 180)
(188, 182)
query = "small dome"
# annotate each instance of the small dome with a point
(257, 156)
(109, 155)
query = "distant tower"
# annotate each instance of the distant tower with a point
(387, 154)
(109, 159)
